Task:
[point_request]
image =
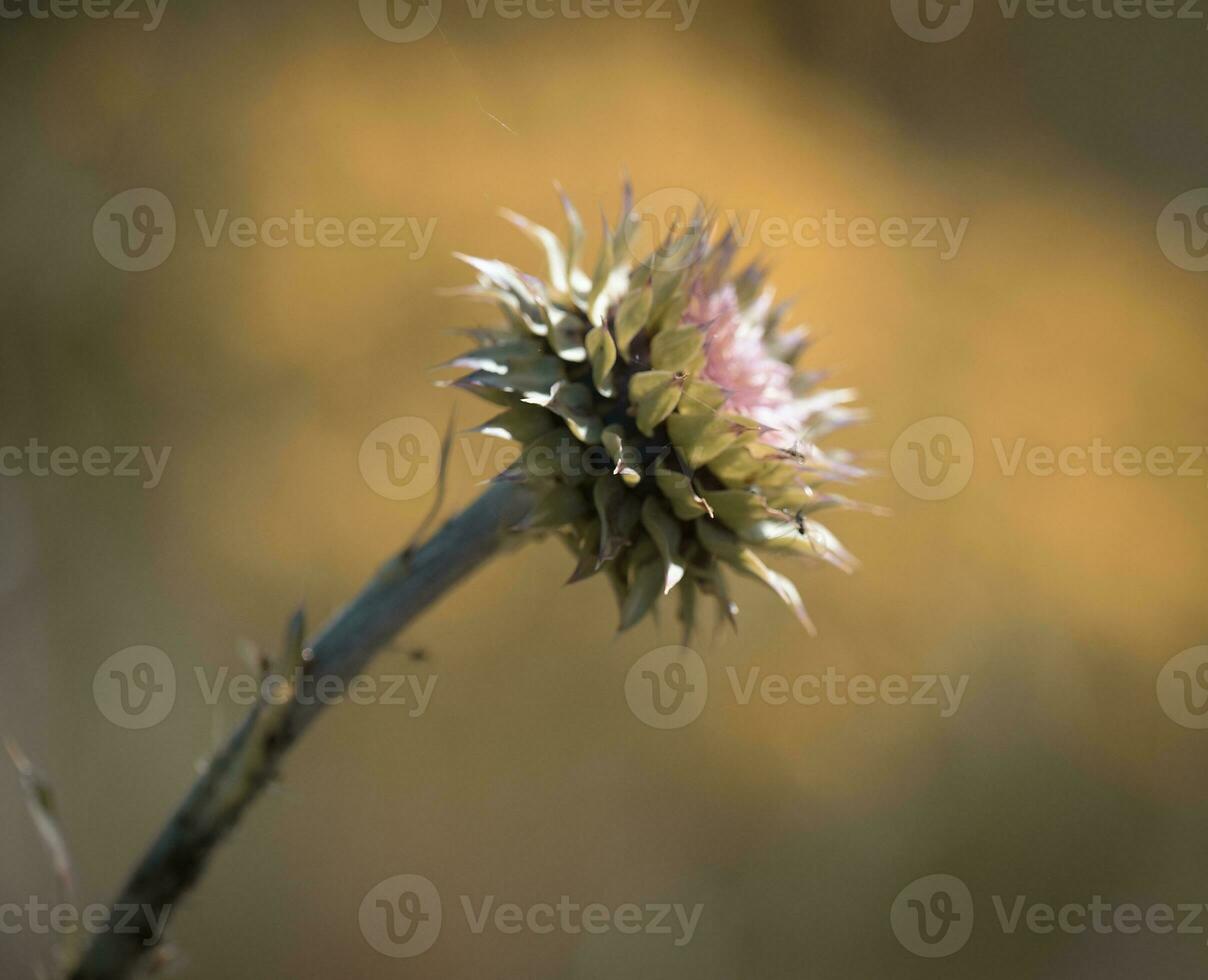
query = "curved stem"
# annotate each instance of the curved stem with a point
(401, 590)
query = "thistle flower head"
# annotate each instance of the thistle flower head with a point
(663, 425)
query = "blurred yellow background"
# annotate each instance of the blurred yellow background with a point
(1059, 320)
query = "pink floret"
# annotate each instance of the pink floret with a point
(738, 361)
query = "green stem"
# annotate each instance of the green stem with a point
(404, 588)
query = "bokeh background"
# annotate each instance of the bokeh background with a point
(1059, 321)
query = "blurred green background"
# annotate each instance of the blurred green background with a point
(1059, 321)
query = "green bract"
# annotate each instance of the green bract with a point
(639, 458)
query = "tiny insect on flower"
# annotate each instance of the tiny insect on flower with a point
(674, 358)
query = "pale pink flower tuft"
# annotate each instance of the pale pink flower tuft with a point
(737, 360)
